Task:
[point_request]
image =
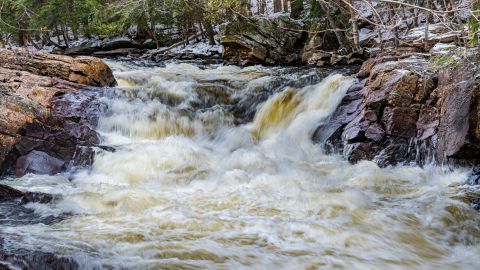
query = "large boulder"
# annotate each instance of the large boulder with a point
(409, 109)
(80, 70)
(276, 40)
(115, 46)
(47, 112)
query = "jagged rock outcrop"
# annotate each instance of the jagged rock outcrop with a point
(47, 114)
(281, 40)
(261, 40)
(408, 109)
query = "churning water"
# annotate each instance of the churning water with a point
(214, 168)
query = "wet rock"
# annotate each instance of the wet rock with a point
(405, 111)
(427, 123)
(359, 151)
(37, 162)
(17, 258)
(459, 123)
(474, 178)
(7, 193)
(46, 109)
(394, 151)
(375, 132)
(349, 110)
(36, 197)
(400, 121)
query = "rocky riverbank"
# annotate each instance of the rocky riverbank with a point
(410, 108)
(404, 108)
(47, 112)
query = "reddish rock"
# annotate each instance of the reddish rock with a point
(459, 122)
(405, 106)
(81, 70)
(401, 121)
(46, 107)
(375, 132)
(427, 123)
(371, 116)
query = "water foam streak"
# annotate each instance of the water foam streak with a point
(192, 187)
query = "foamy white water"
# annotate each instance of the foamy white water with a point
(188, 188)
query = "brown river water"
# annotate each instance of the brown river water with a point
(197, 183)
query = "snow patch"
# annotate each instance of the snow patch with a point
(202, 48)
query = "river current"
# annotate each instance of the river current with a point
(214, 168)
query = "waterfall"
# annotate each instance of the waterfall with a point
(194, 183)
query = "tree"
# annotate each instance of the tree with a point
(297, 8)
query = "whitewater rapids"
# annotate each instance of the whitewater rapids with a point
(194, 185)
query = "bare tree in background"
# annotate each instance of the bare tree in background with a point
(285, 5)
(277, 6)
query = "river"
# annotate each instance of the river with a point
(214, 168)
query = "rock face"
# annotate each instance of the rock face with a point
(281, 40)
(47, 112)
(260, 40)
(404, 109)
(80, 70)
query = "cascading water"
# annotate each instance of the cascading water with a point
(193, 185)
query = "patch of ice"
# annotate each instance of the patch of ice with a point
(365, 34)
(443, 46)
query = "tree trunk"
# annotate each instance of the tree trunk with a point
(57, 33)
(426, 46)
(202, 30)
(22, 34)
(342, 40)
(23, 38)
(142, 28)
(65, 34)
(262, 6)
(277, 6)
(391, 14)
(297, 8)
(285, 5)
(353, 18)
(75, 33)
(379, 23)
(210, 34)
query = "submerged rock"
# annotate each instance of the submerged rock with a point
(47, 114)
(405, 109)
(8, 194)
(27, 259)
